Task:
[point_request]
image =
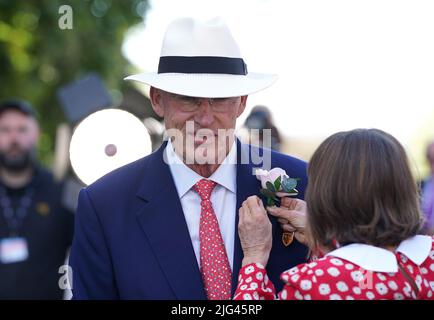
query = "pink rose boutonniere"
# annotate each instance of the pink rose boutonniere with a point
(276, 184)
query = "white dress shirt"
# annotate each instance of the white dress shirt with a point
(223, 197)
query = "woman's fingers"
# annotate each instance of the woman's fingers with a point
(294, 218)
(254, 206)
(252, 212)
(245, 208)
(241, 214)
(288, 228)
(282, 221)
(261, 204)
(255, 231)
(290, 203)
(283, 213)
(293, 203)
(301, 237)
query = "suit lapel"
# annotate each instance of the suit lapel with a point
(162, 220)
(247, 185)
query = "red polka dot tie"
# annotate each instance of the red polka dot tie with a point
(214, 263)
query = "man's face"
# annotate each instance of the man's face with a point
(18, 138)
(201, 121)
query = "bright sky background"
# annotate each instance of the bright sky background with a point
(341, 64)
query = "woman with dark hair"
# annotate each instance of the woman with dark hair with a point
(361, 215)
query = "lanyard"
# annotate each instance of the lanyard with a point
(15, 217)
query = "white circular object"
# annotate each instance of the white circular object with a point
(107, 140)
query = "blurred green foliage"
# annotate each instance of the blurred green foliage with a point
(37, 56)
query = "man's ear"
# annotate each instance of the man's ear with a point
(156, 97)
(242, 105)
(35, 130)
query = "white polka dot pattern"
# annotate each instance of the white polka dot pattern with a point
(331, 278)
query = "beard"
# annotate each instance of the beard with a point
(18, 162)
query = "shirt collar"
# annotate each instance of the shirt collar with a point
(185, 178)
(417, 248)
(377, 259)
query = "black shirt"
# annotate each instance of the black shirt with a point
(48, 229)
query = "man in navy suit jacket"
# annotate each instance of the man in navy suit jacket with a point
(136, 234)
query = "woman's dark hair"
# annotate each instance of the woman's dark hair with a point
(361, 189)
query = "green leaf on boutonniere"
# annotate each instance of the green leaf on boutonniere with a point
(270, 202)
(270, 186)
(278, 183)
(268, 194)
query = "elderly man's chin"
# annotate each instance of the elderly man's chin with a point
(205, 152)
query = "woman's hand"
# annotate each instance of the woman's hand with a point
(292, 217)
(254, 229)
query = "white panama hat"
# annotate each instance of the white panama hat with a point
(202, 59)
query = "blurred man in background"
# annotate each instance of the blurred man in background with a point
(35, 230)
(428, 191)
(260, 119)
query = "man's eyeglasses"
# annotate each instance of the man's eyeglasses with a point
(191, 104)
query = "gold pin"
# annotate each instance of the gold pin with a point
(42, 208)
(287, 238)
